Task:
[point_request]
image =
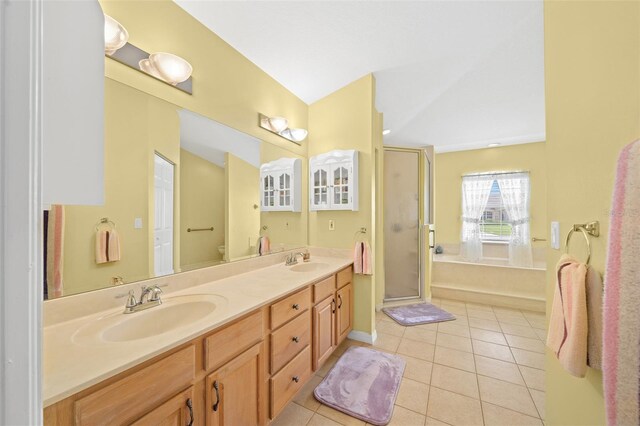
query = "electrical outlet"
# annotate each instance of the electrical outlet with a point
(555, 235)
(137, 223)
(332, 225)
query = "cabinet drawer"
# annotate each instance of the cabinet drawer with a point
(129, 398)
(284, 385)
(289, 340)
(225, 344)
(324, 289)
(345, 277)
(290, 307)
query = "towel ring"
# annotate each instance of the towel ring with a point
(592, 228)
(105, 221)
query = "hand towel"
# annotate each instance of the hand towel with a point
(621, 329)
(362, 258)
(107, 246)
(594, 315)
(55, 251)
(264, 246)
(568, 324)
(357, 257)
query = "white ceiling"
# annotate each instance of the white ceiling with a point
(454, 74)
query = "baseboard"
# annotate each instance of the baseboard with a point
(361, 336)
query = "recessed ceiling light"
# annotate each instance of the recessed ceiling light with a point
(493, 145)
(386, 132)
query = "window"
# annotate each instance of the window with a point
(495, 223)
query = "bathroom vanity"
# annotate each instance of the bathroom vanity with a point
(240, 364)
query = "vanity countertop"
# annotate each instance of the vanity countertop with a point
(74, 361)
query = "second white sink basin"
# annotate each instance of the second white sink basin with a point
(308, 267)
(175, 312)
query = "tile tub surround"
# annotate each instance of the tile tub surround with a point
(455, 374)
(69, 367)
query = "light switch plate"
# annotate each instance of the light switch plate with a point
(137, 223)
(555, 235)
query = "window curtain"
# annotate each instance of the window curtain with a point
(475, 195)
(514, 188)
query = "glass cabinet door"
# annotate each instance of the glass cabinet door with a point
(341, 195)
(320, 187)
(284, 190)
(268, 191)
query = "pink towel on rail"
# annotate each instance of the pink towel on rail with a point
(568, 323)
(107, 246)
(362, 258)
(621, 351)
(55, 251)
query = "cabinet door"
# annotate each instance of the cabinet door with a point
(344, 316)
(235, 392)
(268, 191)
(341, 186)
(284, 186)
(319, 188)
(178, 411)
(324, 326)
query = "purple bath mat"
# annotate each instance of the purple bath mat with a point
(419, 313)
(364, 384)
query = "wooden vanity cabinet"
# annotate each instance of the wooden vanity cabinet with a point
(178, 411)
(344, 314)
(324, 331)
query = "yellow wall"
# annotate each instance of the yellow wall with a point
(227, 87)
(448, 184)
(346, 119)
(243, 220)
(592, 73)
(202, 198)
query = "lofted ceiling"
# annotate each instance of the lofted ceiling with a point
(453, 74)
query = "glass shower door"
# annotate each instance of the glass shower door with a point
(402, 224)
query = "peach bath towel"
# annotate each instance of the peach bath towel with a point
(362, 258)
(55, 251)
(107, 246)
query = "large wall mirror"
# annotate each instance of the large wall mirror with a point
(181, 192)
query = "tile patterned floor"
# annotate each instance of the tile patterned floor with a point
(484, 368)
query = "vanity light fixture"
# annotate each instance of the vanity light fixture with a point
(385, 132)
(279, 126)
(494, 145)
(115, 35)
(167, 67)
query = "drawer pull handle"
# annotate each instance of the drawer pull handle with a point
(215, 405)
(295, 379)
(296, 339)
(333, 306)
(296, 306)
(190, 407)
(340, 299)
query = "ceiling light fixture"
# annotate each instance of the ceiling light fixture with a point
(385, 132)
(494, 145)
(115, 35)
(280, 126)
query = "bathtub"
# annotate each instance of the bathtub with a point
(490, 281)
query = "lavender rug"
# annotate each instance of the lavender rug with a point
(364, 384)
(419, 313)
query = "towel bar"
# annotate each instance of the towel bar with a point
(591, 228)
(199, 229)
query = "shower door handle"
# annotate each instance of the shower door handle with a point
(432, 238)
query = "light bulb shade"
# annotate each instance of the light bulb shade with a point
(147, 66)
(115, 35)
(278, 124)
(298, 135)
(171, 68)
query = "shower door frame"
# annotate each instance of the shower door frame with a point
(423, 162)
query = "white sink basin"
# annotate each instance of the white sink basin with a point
(175, 312)
(308, 267)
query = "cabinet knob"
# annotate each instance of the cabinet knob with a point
(295, 379)
(296, 306)
(296, 339)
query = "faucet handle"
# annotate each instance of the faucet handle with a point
(155, 293)
(131, 300)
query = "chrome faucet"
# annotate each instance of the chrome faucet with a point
(292, 259)
(151, 294)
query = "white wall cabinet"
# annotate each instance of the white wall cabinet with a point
(333, 181)
(280, 185)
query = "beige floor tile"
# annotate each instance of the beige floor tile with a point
(488, 336)
(450, 327)
(387, 342)
(461, 319)
(485, 324)
(433, 326)
(542, 334)
(479, 307)
(340, 350)
(537, 323)
(453, 302)
(534, 315)
(498, 416)
(416, 349)
(305, 396)
(381, 316)
(403, 417)
(507, 395)
(417, 369)
(454, 309)
(454, 409)
(318, 420)
(293, 415)
(413, 395)
(492, 350)
(518, 330)
(328, 365)
(506, 310)
(533, 377)
(433, 422)
(454, 342)
(499, 370)
(539, 398)
(475, 313)
(420, 334)
(391, 328)
(515, 320)
(339, 416)
(526, 343)
(528, 358)
(456, 359)
(455, 380)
